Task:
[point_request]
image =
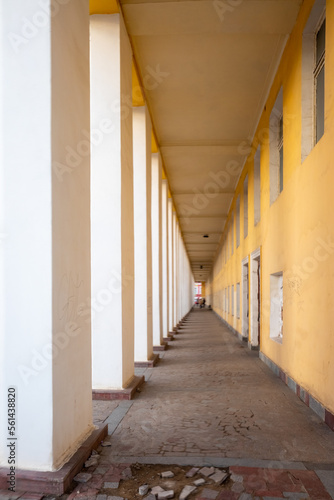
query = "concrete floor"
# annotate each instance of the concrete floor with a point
(212, 401)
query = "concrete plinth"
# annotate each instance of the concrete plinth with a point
(58, 482)
(119, 394)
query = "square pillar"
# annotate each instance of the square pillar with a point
(157, 299)
(142, 139)
(175, 270)
(165, 262)
(170, 267)
(45, 255)
(112, 235)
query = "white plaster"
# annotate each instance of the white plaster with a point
(45, 255)
(175, 269)
(112, 205)
(165, 262)
(142, 165)
(170, 265)
(276, 306)
(157, 297)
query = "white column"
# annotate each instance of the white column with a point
(45, 229)
(112, 204)
(170, 267)
(165, 274)
(142, 132)
(181, 274)
(175, 270)
(157, 250)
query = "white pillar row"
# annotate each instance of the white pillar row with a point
(165, 260)
(170, 266)
(112, 235)
(142, 165)
(157, 294)
(45, 229)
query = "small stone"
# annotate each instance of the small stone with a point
(199, 482)
(106, 443)
(187, 490)
(192, 472)
(116, 498)
(143, 489)
(207, 471)
(209, 494)
(163, 495)
(94, 453)
(101, 497)
(150, 497)
(219, 477)
(111, 485)
(156, 490)
(91, 462)
(167, 474)
(83, 477)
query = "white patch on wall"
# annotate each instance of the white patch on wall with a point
(276, 306)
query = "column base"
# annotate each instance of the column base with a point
(119, 394)
(161, 347)
(58, 482)
(169, 338)
(150, 363)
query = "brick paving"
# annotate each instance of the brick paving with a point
(211, 402)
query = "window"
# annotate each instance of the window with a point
(313, 78)
(246, 207)
(238, 300)
(257, 187)
(232, 300)
(237, 223)
(280, 153)
(319, 80)
(276, 148)
(276, 306)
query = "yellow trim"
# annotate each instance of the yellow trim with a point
(137, 93)
(164, 173)
(103, 7)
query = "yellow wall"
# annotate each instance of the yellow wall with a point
(290, 230)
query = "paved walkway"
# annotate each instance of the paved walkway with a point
(210, 396)
(212, 401)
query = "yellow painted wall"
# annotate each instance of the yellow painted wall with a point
(293, 231)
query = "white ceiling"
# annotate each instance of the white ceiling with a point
(214, 62)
